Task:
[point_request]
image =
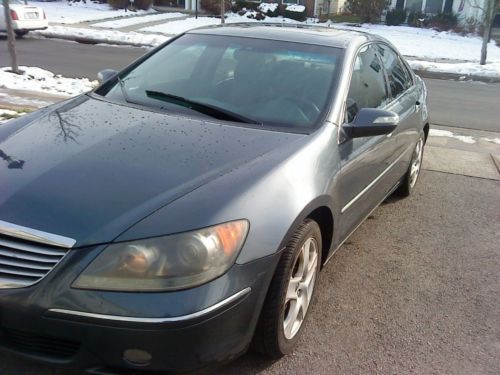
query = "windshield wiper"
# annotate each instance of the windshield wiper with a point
(208, 109)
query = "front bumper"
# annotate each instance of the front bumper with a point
(182, 331)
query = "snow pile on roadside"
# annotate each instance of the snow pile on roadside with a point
(131, 21)
(178, 27)
(102, 36)
(71, 13)
(428, 44)
(490, 70)
(36, 79)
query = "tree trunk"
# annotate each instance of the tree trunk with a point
(489, 15)
(11, 38)
(222, 11)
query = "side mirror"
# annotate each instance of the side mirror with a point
(106, 75)
(370, 122)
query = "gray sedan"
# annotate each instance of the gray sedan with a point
(182, 211)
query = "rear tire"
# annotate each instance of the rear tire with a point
(290, 294)
(21, 33)
(411, 177)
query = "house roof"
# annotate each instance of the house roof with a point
(310, 34)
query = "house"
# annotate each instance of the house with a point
(467, 10)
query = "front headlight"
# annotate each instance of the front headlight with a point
(173, 262)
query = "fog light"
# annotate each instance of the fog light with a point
(137, 357)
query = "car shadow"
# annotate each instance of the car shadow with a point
(249, 363)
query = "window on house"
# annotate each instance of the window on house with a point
(433, 6)
(415, 5)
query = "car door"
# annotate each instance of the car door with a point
(404, 100)
(364, 161)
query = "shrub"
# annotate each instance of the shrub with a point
(443, 21)
(369, 11)
(270, 9)
(118, 4)
(295, 12)
(414, 16)
(143, 4)
(244, 4)
(213, 6)
(395, 17)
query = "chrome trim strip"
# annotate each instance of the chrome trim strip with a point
(34, 235)
(362, 221)
(357, 197)
(117, 318)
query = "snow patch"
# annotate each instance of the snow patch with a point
(492, 140)
(36, 79)
(103, 36)
(268, 7)
(296, 8)
(445, 133)
(490, 70)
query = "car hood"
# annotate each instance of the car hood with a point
(91, 169)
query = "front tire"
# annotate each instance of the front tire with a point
(410, 178)
(290, 293)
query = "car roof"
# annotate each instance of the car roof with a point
(299, 33)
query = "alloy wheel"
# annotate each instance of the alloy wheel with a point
(416, 163)
(300, 288)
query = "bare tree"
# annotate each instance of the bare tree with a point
(11, 38)
(487, 8)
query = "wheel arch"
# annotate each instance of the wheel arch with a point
(426, 131)
(321, 211)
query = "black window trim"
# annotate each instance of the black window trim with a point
(405, 66)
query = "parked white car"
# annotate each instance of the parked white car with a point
(24, 17)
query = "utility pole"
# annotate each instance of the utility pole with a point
(11, 38)
(489, 16)
(222, 11)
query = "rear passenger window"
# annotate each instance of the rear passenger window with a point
(368, 87)
(398, 75)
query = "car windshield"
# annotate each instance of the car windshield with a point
(265, 82)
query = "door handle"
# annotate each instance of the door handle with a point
(418, 105)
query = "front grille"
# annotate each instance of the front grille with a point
(24, 263)
(30, 343)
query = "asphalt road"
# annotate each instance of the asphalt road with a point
(415, 290)
(452, 103)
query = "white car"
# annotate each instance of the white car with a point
(24, 17)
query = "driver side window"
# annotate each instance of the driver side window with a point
(368, 87)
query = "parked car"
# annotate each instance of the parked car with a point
(25, 18)
(183, 210)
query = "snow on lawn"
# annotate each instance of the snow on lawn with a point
(178, 27)
(70, 13)
(36, 79)
(131, 21)
(428, 44)
(103, 36)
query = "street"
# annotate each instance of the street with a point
(416, 289)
